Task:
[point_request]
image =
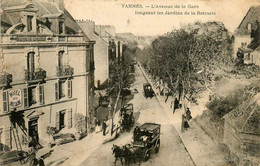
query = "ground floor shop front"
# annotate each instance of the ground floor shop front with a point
(24, 128)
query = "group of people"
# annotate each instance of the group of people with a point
(100, 127)
(185, 118)
(127, 120)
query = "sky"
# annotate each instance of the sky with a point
(114, 12)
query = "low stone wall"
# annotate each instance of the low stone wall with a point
(212, 125)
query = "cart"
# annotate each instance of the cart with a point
(147, 138)
(148, 91)
(127, 116)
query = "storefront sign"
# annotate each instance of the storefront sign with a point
(15, 98)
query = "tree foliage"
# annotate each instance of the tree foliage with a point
(184, 58)
(80, 123)
(120, 76)
(223, 105)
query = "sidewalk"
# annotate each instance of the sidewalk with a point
(76, 152)
(202, 149)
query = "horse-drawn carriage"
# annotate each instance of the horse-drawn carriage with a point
(146, 138)
(148, 91)
(127, 116)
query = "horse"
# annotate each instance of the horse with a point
(132, 155)
(118, 153)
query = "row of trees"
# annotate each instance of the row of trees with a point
(185, 58)
(120, 76)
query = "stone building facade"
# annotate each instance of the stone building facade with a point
(108, 49)
(46, 71)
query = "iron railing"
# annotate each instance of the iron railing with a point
(5, 79)
(66, 70)
(36, 74)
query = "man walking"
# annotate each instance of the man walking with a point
(176, 105)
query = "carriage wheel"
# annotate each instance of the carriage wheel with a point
(147, 155)
(157, 146)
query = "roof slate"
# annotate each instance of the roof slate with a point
(252, 15)
(44, 7)
(246, 117)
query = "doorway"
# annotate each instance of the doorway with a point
(33, 131)
(62, 119)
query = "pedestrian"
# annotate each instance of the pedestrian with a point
(176, 105)
(41, 162)
(188, 114)
(186, 124)
(182, 122)
(104, 127)
(97, 129)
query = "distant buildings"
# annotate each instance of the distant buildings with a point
(46, 71)
(108, 49)
(247, 38)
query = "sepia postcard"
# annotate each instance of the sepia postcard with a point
(130, 82)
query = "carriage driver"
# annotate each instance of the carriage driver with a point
(136, 133)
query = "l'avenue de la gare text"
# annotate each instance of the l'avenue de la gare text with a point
(174, 13)
(160, 6)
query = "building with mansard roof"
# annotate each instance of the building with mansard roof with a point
(247, 38)
(46, 72)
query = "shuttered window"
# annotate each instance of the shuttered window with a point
(69, 113)
(8, 139)
(69, 88)
(41, 94)
(57, 121)
(5, 101)
(25, 97)
(57, 91)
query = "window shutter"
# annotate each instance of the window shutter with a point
(69, 113)
(56, 91)
(5, 101)
(8, 138)
(57, 120)
(1, 143)
(41, 94)
(69, 88)
(25, 97)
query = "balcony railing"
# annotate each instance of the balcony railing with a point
(36, 75)
(5, 79)
(65, 71)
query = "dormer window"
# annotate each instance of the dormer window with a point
(29, 23)
(61, 27)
